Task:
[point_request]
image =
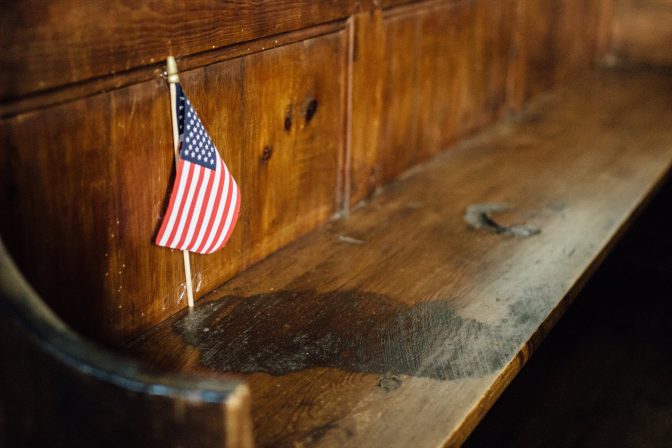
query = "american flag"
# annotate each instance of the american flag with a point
(204, 203)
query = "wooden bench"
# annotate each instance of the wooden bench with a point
(402, 248)
(401, 316)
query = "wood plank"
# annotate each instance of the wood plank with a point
(400, 316)
(555, 40)
(643, 32)
(424, 75)
(47, 44)
(72, 92)
(615, 337)
(85, 183)
(281, 121)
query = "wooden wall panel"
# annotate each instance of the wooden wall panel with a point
(422, 78)
(51, 43)
(642, 31)
(286, 147)
(84, 184)
(555, 39)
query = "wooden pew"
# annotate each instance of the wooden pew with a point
(375, 292)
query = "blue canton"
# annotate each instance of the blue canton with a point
(196, 146)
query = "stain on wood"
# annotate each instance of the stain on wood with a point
(452, 313)
(479, 216)
(304, 330)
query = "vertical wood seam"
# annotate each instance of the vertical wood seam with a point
(347, 147)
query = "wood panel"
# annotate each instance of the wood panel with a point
(83, 188)
(554, 40)
(47, 44)
(423, 76)
(85, 183)
(281, 128)
(400, 326)
(643, 31)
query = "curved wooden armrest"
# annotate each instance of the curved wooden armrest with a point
(57, 389)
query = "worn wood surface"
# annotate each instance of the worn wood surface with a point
(607, 360)
(400, 326)
(86, 182)
(642, 32)
(58, 390)
(47, 44)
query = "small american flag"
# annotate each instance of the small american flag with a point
(204, 203)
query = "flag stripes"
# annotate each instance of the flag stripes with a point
(205, 201)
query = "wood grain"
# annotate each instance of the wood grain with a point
(280, 121)
(400, 316)
(642, 32)
(424, 76)
(555, 40)
(72, 92)
(85, 183)
(59, 390)
(47, 44)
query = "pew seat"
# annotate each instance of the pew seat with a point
(417, 309)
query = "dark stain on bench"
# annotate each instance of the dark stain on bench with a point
(288, 331)
(479, 216)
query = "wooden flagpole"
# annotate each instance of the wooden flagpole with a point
(174, 78)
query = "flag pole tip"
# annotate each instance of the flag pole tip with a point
(171, 70)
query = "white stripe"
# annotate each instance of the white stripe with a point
(197, 209)
(220, 210)
(229, 217)
(176, 206)
(185, 212)
(211, 203)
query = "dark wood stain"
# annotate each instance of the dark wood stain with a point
(299, 330)
(288, 121)
(266, 154)
(311, 110)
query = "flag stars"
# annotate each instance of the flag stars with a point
(198, 147)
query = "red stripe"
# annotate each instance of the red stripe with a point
(171, 202)
(233, 221)
(208, 217)
(222, 223)
(184, 201)
(192, 206)
(215, 210)
(204, 206)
